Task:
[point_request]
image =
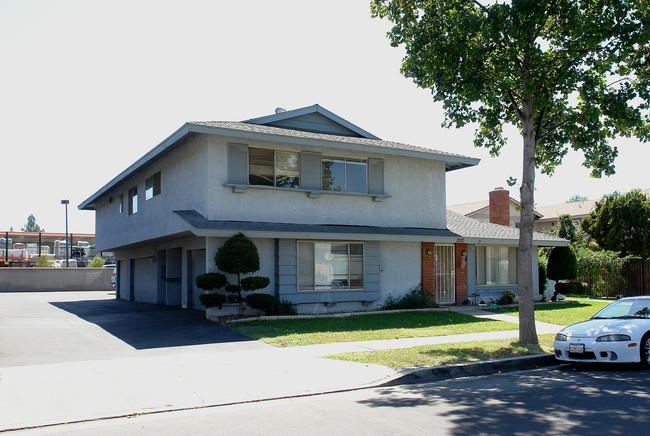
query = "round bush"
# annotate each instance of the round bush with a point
(212, 300)
(562, 264)
(260, 301)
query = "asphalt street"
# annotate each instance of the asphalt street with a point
(563, 400)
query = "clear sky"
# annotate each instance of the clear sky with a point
(88, 87)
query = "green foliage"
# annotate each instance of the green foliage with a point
(581, 288)
(562, 264)
(541, 271)
(413, 300)
(97, 262)
(596, 265)
(621, 223)
(567, 288)
(213, 299)
(45, 262)
(238, 255)
(545, 67)
(507, 298)
(254, 283)
(262, 302)
(31, 225)
(566, 228)
(284, 307)
(209, 281)
(577, 198)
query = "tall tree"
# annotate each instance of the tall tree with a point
(621, 223)
(31, 225)
(567, 73)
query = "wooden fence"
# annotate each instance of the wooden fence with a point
(634, 281)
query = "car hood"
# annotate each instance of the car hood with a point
(598, 327)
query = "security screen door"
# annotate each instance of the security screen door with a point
(445, 274)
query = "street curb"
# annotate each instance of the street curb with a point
(423, 375)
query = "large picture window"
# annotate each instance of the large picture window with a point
(496, 265)
(326, 266)
(345, 175)
(273, 168)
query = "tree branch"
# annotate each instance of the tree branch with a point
(538, 131)
(520, 114)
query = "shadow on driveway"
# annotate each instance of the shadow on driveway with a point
(147, 326)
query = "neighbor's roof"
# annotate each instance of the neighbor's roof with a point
(476, 206)
(360, 140)
(479, 232)
(575, 209)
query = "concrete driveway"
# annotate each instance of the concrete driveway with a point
(54, 327)
(77, 356)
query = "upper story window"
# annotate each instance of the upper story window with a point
(121, 206)
(133, 200)
(496, 265)
(152, 186)
(274, 168)
(345, 175)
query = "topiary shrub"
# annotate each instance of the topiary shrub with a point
(507, 298)
(238, 255)
(413, 300)
(562, 264)
(261, 302)
(209, 281)
(213, 299)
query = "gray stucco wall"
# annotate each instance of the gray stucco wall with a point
(408, 181)
(55, 279)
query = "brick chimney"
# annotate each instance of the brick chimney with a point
(500, 207)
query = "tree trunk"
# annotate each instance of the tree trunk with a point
(527, 329)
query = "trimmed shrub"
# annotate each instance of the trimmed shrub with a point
(507, 298)
(566, 288)
(581, 288)
(211, 281)
(283, 307)
(541, 271)
(413, 300)
(212, 300)
(562, 264)
(253, 283)
(264, 302)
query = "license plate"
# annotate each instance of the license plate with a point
(576, 348)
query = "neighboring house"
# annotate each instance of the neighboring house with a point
(341, 218)
(577, 209)
(500, 208)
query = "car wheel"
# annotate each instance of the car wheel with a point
(645, 350)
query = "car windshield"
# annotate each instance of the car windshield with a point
(634, 308)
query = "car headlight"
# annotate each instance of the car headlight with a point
(560, 337)
(613, 338)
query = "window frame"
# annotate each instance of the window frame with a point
(484, 262)
(315, 287)
(275, 168)
(345, 160)
(156, 186)
(133, 200)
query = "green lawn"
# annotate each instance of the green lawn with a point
(446, 354)
(562, 313)
(295, 332)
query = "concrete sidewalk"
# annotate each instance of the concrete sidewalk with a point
(40, 395)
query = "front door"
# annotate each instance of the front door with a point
(445, 274)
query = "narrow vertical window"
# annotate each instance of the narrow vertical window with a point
(133, 200)
(121, 206)
(152, 186)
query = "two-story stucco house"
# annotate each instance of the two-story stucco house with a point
(341, 218)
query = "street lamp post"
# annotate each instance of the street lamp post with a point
(67, 261)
